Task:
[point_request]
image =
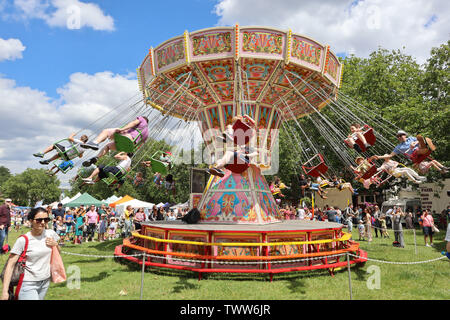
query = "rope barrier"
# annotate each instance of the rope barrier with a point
(260, 262)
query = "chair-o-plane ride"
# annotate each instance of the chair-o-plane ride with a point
(220, 78)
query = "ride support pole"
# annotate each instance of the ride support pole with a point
(349, 276)
(142, 275)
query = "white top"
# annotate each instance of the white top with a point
(37, 267)
(447, 235)
(301, 213)
(125, 164)
(72, 150)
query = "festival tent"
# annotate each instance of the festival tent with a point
(85, 199)
(122, 200)
(181, 205)
(159, 205)
(64, 201)
(112, 199)
(135, 203)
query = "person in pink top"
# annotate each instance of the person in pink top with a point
(135, 129)
(91, 220)
(427, 224)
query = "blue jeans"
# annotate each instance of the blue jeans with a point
(34, 290)
(3, 234)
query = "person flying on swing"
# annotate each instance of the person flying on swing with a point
(411, 147)
(356, 133)
(132, 130)
(241, 153)
(391, 167)
(65, 152)
(119, 171)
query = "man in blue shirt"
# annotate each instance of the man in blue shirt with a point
(410, 147)
(58, 213)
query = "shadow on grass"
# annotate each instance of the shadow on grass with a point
(96, 278)
(183, 285)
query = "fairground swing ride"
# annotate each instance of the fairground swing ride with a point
(234, 88)
(214, 79)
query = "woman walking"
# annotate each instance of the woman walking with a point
(428, 223)
(368, 224)
(397, 226)
(37, 275)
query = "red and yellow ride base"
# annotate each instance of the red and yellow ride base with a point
(291, 245)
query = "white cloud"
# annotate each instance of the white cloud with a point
(11, 49)
(31, 120)
(360, 26)
(70, 14)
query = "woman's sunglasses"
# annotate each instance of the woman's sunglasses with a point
(39, 220)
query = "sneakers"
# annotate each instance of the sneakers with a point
(427, 245)
(87, 163)
(88, 181)
(216, 172)
(38, 155)
(90, 145)
(44, 162)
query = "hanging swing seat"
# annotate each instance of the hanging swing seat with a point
(368, 173)
(126, 144)
(315, 166)
(112, 178)
(369, 136)
(66, 153)
(239, 165)
(422, 157)
(242, 132)
(158, 165)
(64, 166)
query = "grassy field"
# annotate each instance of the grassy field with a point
(102, 278)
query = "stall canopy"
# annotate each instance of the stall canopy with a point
(112, 199)
(122, 200)
(65, 200)
(85, 199)
(135, 203)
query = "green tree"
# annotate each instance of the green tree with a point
(31, 186)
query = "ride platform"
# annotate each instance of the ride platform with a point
(285, 246)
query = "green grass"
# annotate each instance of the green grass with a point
(105, 278)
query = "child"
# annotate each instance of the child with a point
(79, 224)
(65, 152)
(391, 167)
(60, 230)
(316, 187)
(384, 232)
(361, 230)
(356, 134)
(157, 179)
(425, 166)
(18, 221)
(138, 180)
(102, 228)
(363, 166)
(338, 183)
(112, 229)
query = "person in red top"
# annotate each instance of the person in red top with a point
(428, 223)
(5, 221)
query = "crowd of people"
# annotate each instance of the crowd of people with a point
(371, 222)
(91, 223)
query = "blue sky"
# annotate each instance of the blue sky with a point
(53, 54)
(54, 80)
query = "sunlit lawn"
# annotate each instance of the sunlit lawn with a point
(106, 279)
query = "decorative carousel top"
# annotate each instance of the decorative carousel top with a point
(242, 70)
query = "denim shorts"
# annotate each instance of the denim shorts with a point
(34, 290)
